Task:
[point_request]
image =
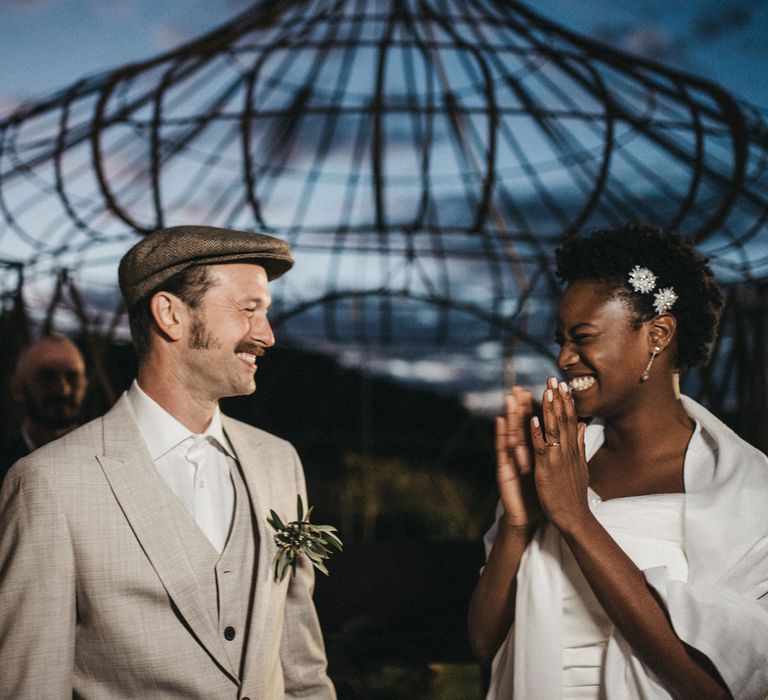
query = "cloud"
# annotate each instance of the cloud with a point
(27, 7)
(170, 34)
(716, 20)
(651, 40)
(8, 104)
(115, 11)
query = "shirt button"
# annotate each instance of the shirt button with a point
(229, 634)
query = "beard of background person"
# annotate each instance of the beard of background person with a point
(51, 412)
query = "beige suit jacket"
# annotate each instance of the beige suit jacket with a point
(98, 598)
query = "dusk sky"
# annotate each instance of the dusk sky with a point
(48, 44)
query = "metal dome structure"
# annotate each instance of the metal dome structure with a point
(423, 157)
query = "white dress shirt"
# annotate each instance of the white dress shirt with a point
(195, 466)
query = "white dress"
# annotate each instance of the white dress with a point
(650, 530)
(712, 581)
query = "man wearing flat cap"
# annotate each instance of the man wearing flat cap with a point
(135, 555)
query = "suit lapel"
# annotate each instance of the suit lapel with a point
(147, 502)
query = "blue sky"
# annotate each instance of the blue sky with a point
(715, 39)
(48, 44)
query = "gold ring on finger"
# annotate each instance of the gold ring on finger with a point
(552, 444)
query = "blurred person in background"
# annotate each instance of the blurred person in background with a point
(49, 384)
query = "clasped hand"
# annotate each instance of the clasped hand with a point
(541, 466)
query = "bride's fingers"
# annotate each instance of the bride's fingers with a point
(581, 430)
(521, 447)
(526, 402)
(507, 476)
(522, 457)
(566, 428)
(538, 439)
(501, 440)
(516, 413)
(572, 419)
(511, 421)
(504, 459)
(551, 426)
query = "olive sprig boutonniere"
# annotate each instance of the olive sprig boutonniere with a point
(301, 537)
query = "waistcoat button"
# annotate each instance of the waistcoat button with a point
(229, 633)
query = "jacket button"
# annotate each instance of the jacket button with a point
(229, 635)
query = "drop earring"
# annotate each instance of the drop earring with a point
(647, 371)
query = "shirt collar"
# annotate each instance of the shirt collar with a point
(161, 431)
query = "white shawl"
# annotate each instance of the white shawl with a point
(722, 610)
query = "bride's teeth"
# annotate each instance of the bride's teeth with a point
(581, 383)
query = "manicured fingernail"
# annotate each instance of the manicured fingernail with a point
(550, 396)
(553, 382)
(564, 387)
(535, 421)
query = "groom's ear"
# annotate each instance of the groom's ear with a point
(171, 315)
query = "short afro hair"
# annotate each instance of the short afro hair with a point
(608, 256)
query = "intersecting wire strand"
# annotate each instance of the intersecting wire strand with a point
(476, 36)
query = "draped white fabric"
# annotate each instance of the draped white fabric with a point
(721, 609)
(650, 530)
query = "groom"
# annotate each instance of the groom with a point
(134, 552)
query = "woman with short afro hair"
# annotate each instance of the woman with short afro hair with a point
(629, 557)
(607, 255)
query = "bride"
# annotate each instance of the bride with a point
(629, 557)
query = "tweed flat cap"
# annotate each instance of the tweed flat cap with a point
(161, 254)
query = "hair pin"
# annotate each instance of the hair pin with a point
(643, 281)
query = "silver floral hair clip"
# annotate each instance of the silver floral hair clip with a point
(642, 280)
(664, 300)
